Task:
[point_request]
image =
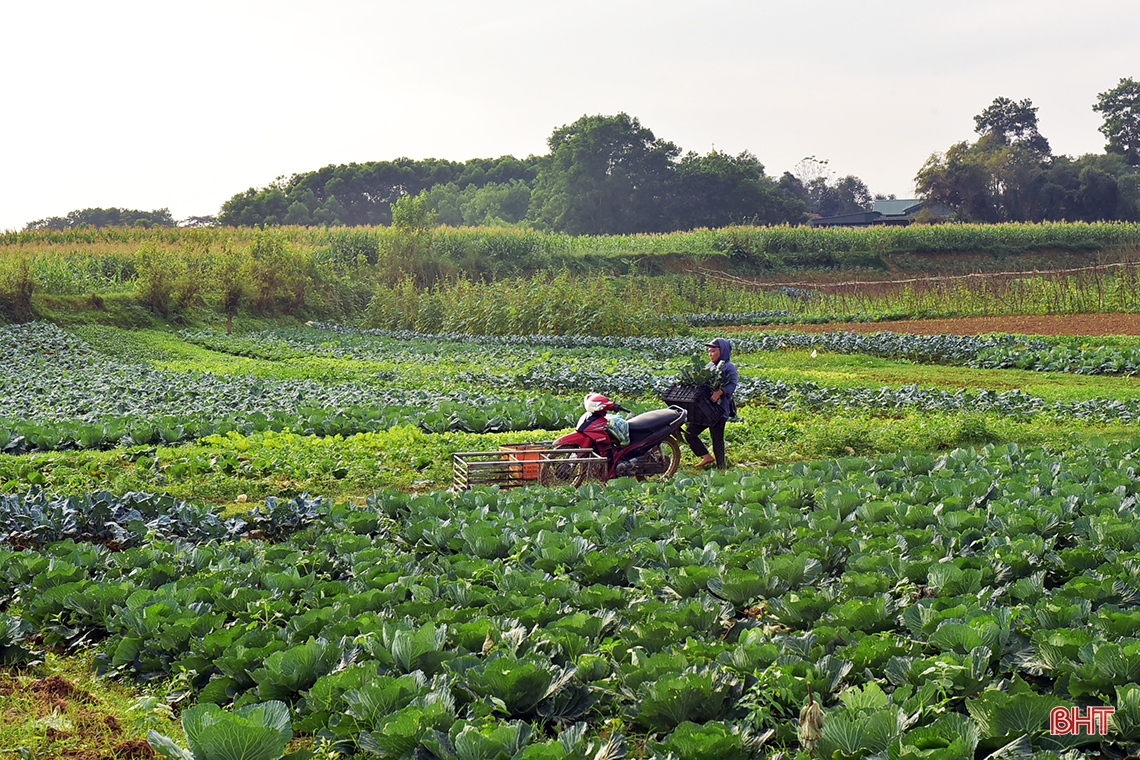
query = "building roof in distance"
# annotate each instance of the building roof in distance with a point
(898, 207)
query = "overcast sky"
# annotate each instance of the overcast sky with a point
(181, 105)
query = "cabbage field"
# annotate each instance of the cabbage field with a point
(923, 546)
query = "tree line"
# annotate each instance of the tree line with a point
(603, 175)
(105, 217)
(1010, 174)
(612, 175)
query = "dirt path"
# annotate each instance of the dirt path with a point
(1058, 324)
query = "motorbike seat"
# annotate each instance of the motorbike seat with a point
(648, 423)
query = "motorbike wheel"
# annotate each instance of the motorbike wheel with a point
(559, 471)
(670, 449)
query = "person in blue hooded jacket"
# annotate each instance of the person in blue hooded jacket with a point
(720, 354)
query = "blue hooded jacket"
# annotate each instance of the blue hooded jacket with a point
(732, 378)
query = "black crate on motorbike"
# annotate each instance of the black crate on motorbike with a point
(696, 400)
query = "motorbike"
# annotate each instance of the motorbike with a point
(653, 448)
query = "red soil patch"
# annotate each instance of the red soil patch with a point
(1052, 324)
(58, 687)
(135, 748)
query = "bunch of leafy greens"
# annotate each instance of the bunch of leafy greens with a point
(699, 374)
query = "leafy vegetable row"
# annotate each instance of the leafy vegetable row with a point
(36, 519)
(982, 352)
(57, 393)
(931, 349)
(490, 416)
(1015, 403)
(582, 377)
(929, 601)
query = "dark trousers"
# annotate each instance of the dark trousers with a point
(716, 432)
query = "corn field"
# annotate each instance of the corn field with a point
(496, 279)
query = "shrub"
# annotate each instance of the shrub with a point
(280, 275)
(17, 284)
(972, 430)
(158, 275)
(229, 280)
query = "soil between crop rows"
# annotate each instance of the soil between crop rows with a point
(1051, 324)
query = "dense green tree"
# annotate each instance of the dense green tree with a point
(605, 174)
(1128, 185)
(1120, 108)
(413, 212)
(813, 182)
(331, 213)
(498, 203)
(255, 207)
(1001, 177)
(493, 204)
(298, 213)
(448, 201)
(1009, 122)
(1099, 194)
(986, 182)
(848, 195)
(720, 189)
(481, 172)
(791, 185)
(105, 217)
(854, 194)
(364, 193)
(961, 179)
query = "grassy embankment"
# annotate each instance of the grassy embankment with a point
(507, 280)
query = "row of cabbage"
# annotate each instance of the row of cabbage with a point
(327, 339)
(813, 397)
(944, 602)
(631, 367)
(36, 519)
(20, 345)
(59, 393)
(19, 436)
(982, 352)
(49, 374)
(56, 392)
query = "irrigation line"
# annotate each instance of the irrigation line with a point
(936, 278)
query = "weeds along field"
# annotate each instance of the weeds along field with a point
(455, 280)
(923, 545)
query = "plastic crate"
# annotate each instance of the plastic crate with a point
(530, 453)
(684, 394)
(696, 400)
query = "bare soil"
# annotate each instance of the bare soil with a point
(1052, 324)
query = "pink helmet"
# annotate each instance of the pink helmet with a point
(596, 402)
